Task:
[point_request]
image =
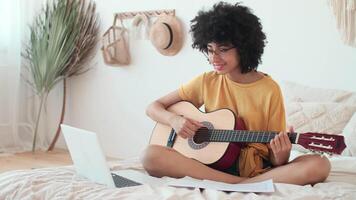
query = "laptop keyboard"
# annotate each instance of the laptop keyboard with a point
(123, 182)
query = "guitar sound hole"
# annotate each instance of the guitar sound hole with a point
(202, 135)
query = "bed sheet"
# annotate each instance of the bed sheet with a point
(63, 183)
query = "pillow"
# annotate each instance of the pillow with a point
(294, 92)
(329, 118)
(350, 137)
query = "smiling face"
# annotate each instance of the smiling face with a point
(223, 57)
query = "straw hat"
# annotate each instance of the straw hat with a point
(166, 35)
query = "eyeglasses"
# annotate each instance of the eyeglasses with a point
(222, 52)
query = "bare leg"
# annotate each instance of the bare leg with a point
(161, 161)
(307, 169)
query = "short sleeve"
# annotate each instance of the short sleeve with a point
(193, 91)
(277, 115)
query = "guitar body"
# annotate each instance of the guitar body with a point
(220, 155)
(218, 143)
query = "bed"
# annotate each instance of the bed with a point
(329, 111)
(63, 183)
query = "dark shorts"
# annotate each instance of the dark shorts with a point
(233, 169)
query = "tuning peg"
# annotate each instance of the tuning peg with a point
(325, 154)
(328, 153)
(316, 152)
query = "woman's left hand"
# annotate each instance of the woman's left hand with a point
(281, 147)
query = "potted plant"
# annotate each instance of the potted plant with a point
(63, 40)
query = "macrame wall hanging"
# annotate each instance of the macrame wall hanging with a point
(345, 13)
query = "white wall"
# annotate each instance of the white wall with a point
(303, 46)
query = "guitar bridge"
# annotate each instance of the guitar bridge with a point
(171, 138)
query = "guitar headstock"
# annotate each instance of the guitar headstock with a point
(319, 142)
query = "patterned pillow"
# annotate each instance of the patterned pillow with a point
(330, 118)
(294, 92)
(350, 137)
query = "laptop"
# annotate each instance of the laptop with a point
(89, 160)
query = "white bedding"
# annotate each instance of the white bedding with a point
(63, 183)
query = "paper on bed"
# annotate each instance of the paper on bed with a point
(265, 186)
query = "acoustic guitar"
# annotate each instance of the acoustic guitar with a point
(216, 141)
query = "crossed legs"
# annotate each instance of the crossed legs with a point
(161, 161)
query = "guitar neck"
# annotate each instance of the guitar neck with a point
(217, 135)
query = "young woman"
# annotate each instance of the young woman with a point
(232, 39)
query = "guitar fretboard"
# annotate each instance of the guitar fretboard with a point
(217, 135)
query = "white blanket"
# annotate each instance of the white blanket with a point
(63, 183)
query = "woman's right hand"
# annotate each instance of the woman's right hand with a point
(184, 127)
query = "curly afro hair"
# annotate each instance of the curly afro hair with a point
(230, 24)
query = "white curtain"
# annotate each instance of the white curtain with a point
(345, 14)
(18, 103)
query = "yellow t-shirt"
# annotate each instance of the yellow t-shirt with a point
(259, 104)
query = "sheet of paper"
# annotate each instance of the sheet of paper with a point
(265, 186)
